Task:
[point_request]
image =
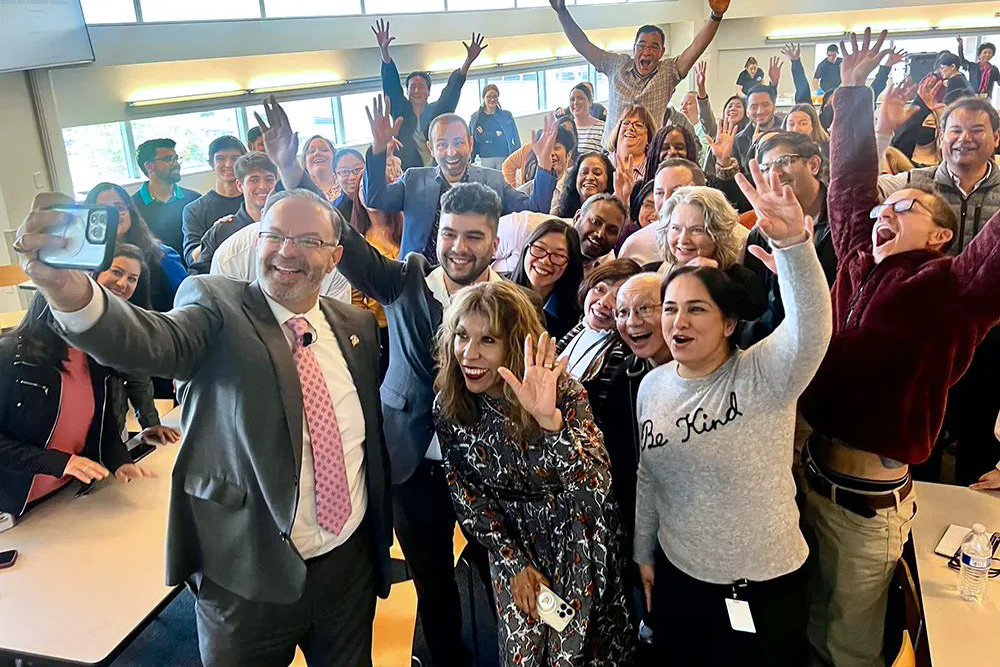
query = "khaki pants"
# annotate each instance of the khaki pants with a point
(856, 558)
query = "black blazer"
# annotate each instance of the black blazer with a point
(234, 488)
(30, 397)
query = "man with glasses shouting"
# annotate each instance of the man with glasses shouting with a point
(642, 79)
(161, 200)
(907, 319)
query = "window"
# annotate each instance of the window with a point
(518, 92)
(193, 132)
(602, 88)
(460, 5)
(108, 11)
(356, 128)
(282, 8)
(96, 153)
(559, 83)
(537, 3)
(403, 6)
(199, 10)
(470, 100)
(308, 118)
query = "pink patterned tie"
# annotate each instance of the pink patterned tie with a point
(333, 498)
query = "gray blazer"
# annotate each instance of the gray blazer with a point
(234, 488)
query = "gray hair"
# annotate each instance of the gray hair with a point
(336, 220)
(720, 221)
(604, 196)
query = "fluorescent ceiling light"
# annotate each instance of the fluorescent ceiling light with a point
(808, 31)
(186, 98)
(295, 86)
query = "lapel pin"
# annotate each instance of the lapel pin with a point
(354, 340)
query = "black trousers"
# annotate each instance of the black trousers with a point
(425, 525)
(331, 622)
(974, 402)
(689, 619)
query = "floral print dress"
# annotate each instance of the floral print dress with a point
(546, 503)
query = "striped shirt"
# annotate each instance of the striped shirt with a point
(626, 87)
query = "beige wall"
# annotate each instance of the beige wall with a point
(24, 163)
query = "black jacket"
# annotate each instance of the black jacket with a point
(29, 407)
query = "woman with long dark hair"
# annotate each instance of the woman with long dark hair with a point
(318, 158)
(551, 265)
(166, 270)
(529, 478)
(55, 421)
(591, 173)
(670, 141)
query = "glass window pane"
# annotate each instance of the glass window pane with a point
(96, 153)
(559, 82)
(308, 117)
(469, 102)
(108, 11)
(518, 92)
(193, 132)
(356, 128)
(282, 8)
(459, 5)
(601, 88)
(199, 10)
(403, 6)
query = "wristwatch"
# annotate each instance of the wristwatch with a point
(715, 17)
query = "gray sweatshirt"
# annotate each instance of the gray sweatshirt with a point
(715, 481)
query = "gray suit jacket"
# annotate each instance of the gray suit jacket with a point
(234, 488)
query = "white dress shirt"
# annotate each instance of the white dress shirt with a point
(308, 536)
(236, 258)
(513, 231)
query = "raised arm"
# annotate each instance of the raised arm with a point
(968, 64)
(803, 92)
(977, 273)
(577, 37)
(472, 51)
(706, 117)
(540, 200)
(788, 358)
(853, 188)
(389, 197)
(690, 55)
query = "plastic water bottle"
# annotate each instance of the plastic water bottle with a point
(977, 554)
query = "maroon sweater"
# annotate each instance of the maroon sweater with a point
(904, 330)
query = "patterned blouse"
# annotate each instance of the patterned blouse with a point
(546, 503)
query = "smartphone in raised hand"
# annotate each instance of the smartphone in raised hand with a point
(91, 235)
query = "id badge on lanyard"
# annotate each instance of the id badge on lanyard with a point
(739, 610)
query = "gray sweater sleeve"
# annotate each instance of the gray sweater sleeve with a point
(647, 521)
(787, 359)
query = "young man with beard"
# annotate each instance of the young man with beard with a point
(255, 179)
(414, 293)
(798, 161)
(279, 516)
(599, 222)
(418, 193)
(760, 111)
(641, 79)
(224, 199)
(907, 319)
(160, 200)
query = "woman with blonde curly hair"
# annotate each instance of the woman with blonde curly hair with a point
(701, 228)
(530, 479)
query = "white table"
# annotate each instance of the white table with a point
(960, 633)
(90, 572)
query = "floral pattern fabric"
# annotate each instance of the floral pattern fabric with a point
(546, 503)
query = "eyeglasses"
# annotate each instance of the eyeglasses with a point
(344, 173)
(303, 242)
(643, 312)
(782, 162)
(637, 124)
(169, 159)
(901, 206)
(555, 258)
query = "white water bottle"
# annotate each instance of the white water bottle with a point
(976, 556)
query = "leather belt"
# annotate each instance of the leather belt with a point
(864, 504)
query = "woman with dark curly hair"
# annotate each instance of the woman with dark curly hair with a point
(530, 479)
(591, 173)
(670, 141)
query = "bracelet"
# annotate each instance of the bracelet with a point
(716, 17)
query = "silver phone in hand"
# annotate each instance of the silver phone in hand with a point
(91, 234)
